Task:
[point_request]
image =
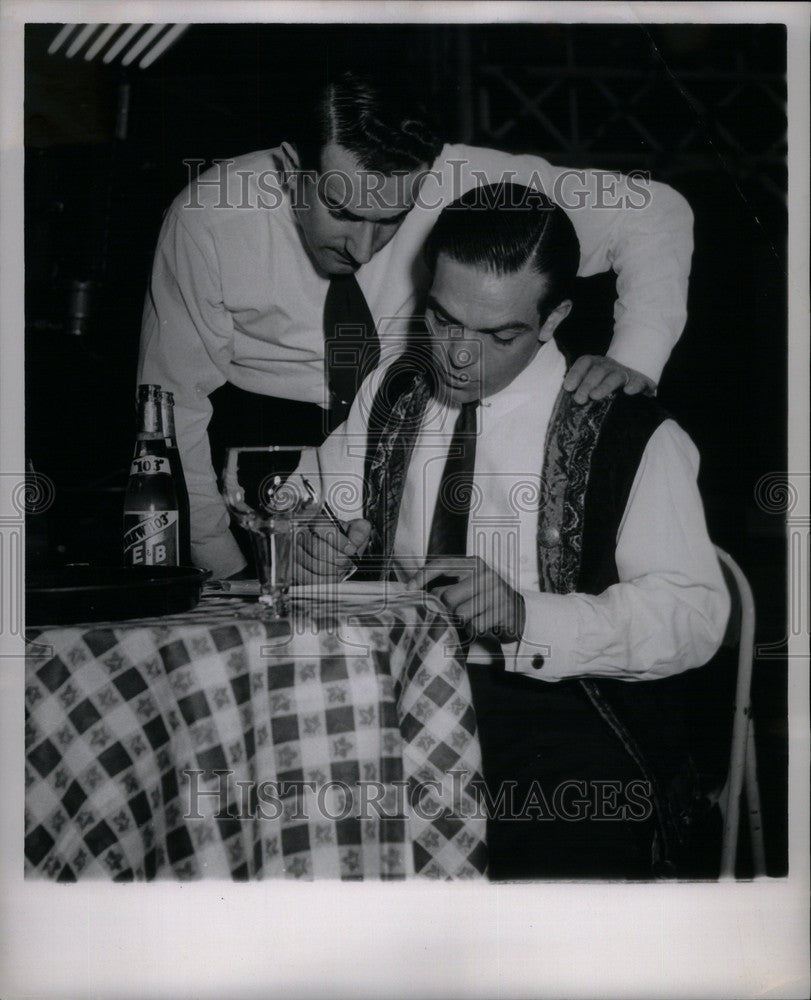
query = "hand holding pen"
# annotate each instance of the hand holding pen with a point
(330, 549)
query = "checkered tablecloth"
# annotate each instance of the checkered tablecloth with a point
(214, 744)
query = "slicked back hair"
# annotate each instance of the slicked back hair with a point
(503, 228)
(371, 119)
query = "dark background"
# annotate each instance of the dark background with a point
(701, 107)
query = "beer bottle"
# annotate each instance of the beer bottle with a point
(176, 466)
(151, 530)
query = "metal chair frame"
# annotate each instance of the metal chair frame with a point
(742, 774)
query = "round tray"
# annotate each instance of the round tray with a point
(75, 594)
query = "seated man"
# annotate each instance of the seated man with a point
(570, 538)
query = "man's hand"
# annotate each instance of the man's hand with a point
(323, 553)
(482, 601)
(595, 377)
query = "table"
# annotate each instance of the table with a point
(214, 744)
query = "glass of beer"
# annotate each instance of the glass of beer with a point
(271, 492)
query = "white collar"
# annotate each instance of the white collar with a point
(541, 379)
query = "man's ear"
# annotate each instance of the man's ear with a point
(554, 319)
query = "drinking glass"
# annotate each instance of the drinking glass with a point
(271, 491)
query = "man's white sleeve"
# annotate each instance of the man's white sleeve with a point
(186, 344)
(669, 610)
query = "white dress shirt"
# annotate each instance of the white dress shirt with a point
(668, 611)
(234, 296)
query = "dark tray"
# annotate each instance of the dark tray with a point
(71, 595)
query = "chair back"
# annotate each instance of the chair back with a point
(742, 765)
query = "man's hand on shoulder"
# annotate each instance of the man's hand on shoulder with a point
(595, 377)
(482, 601)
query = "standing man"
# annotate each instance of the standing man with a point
(568, 538)
(281, 276)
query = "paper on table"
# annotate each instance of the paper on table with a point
(345, 591)
(351, 590)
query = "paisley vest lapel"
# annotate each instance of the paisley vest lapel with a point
(570, 443)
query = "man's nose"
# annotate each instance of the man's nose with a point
(361, 242)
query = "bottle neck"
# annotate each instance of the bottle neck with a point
(150, 424)
(168, 418)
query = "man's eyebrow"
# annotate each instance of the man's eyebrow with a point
(513, 325)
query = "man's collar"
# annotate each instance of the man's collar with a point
(542, 376)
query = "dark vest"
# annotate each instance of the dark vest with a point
(591, 456)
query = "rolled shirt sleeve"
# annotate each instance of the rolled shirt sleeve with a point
(653, 271)
(186, 345)
(669, 611)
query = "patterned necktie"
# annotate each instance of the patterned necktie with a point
(449, 527)
(351, 345)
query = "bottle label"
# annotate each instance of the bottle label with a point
(151, 540)
(150, 465)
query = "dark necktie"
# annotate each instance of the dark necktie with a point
(449, 526)
(351, 346)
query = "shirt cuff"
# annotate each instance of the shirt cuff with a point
(220, 554)
(548, 646)
(641, 350)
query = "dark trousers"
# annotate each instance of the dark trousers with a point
(242, 418)
(564, 781)
(247, 418)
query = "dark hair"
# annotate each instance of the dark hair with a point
(501, 227)
(371, 120)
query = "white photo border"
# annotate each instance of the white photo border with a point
(561, 940)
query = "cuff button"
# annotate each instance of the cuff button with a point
(537, 661)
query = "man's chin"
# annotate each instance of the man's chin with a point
(456, 395)
(337, 268)
(333, 263)
(328, 262)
